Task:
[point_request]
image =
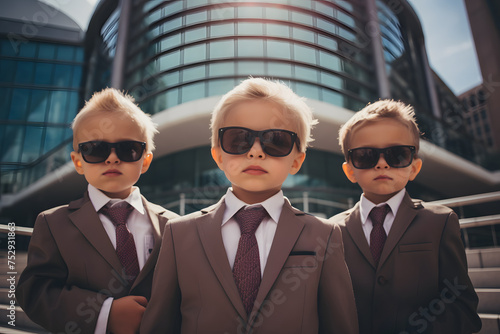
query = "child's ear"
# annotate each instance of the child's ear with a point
(146, 162)
(217, 156)
(297, 163)
(77, 162)
(416, 165)
(349, 172)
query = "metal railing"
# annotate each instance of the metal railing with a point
(305, 200)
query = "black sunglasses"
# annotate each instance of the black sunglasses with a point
(95, 152)
(274, 142)
(396, 156)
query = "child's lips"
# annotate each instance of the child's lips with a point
(112, 172)
(255, 170)
(383, 177)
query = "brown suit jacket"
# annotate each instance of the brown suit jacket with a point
(305, 287)
(73, 267)
(421, 284)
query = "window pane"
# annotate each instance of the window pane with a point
(250, 48)
(19, 104)
(305, 54)
(46, 51)
(278, 30)
(195, 34)
(252, 68)
(279, 69)
(196, 18)
(32, 140)
(220, 30)
(302, 34)
(62, 75)
(193, 73)
(222, 49)
(194, 54)
(193, 92)
(329, 61)
(306, 73)
(53, 138)
(250, 12)
(38, 106)
(10, 150)
(65, 52)
(249, 28)
(221, 69)
(24, 72)
(278, 49)
(8, 70)
(169, 61)
(43, 73)
(57, 107)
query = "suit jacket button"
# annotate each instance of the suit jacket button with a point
(382, 280)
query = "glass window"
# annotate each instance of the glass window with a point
(46, 51)
(476, 117)
(250, 48)
(487, 128)
(252, 68)
(250, 12)
(62, 75)
(347, 34)
(326, 25)
(273, 13)
(152, 17)
(169, 61)
(306, 73)
(196, 3)
(279, 69)
(53, 138)
(57, 109)
(278, 49)
(221, 86)
(38, 106)
(8, 48)
(222, 13)
(327, 42)
(193, 92)
(309, 91)
(43, 73)
(172, 7)
(171, 42)
(323, 8)
(24, 72)
(27, 50)
(79, 54)
(331, 80)
(193, 73)
(302, 18)
(250, 28)
(329, 61)
(19, 104)
(196, 17)
(346, 19)
(172, 24)
(195, 54)
(304, 53)
(8, 70)
(302, 34)
(222, 49)
(65, 52)
(77, 77)
(32, 140)
(172, 97)
(5, 96)
(12, 143)
(301, 3)
(73, 100)
(278, 30)
(333, 97)
(195, 34)
(221, 69)
(483, 114)
(219, 30)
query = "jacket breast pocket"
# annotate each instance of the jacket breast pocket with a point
(420, 247)
(301, 261)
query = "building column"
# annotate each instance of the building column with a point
(372, 28)
(121, 44)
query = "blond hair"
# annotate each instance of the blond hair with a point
(294, 107)
(110, 100)
(396, 110)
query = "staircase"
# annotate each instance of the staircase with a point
(484, 271)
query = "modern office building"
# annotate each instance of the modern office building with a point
(178, 57)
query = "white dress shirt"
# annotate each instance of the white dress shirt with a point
(365, 206)
(265, 232)
(138, 224)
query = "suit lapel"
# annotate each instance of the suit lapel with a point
(406, 213)
(290, 226)
(157, 220)
(209, 228)
(355, 229)
(86, 219)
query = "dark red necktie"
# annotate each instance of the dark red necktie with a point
(378, 235)
(125, 245)
(246, 270)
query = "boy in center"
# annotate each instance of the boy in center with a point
(252, 263)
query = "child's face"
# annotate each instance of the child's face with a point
(381, 182)
(255, 176)
(113, 177)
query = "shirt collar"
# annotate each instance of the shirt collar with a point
(99, 199)
(366, 205)
(273, 205)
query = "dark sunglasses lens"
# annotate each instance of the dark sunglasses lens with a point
(277, 143)
(129, 151)
(94, 152)
(398, 156)
(364, 158)
(236, 141)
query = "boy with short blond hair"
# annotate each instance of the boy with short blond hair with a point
(91, 262)
(252, 263)
(406, 257)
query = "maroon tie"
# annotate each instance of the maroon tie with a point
(378, 236)
(246, 270)
(125, 245)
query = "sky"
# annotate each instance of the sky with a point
(448, 39)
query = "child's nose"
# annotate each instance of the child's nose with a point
(381, 162)
(112, 158)
(256, 150)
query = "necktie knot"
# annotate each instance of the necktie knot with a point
(378, 214)
(250, 219)
(117, 214)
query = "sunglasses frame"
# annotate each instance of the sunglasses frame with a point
(111, 146)
(379, 152)
(259, 134)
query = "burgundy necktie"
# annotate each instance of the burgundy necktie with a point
(378, 235)
(125, 245)
(246, 270)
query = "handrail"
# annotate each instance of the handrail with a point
(19, 230)
(469, 200)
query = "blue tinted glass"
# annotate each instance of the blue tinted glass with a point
(170, 60)
(221, 69)
(333, 97)
(222, 13)
(276, 14)
(170, 79)
(8, 48)
(193, 73)
(331, 80)
(326, 25)
(173, 24)
(172, 97)
(53, 138)
(306, 90)
(5, 95)
(250, 48)
(306, 73)
(8, 70)
(171, 42)
(329, 61)
(278, 49)
(250, 28)
(219, 30)
(323, 8)
(279, 69)
(32, 140)
(57, 110)
(24, 72)
(79, 54)
(77, 77)
(195, 34)
(62, 75)
(72, 106)
(19, 104)
(304, 53)
(279, 30)
(302, 34)
(46, 51)
(196, 18)
(10, 150)
(65, 52)
(43, 73)
(222, 49)
(27, 50)
(252, 68)
(195, 54)
(302, 18)
(250, 12)
(193, 92)
(220, 87)
(346, 19)
(38, 106)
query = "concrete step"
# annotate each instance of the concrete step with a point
(491, 323)
(483, 258)
(485, 277)
(489, 300)
(21, 319)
